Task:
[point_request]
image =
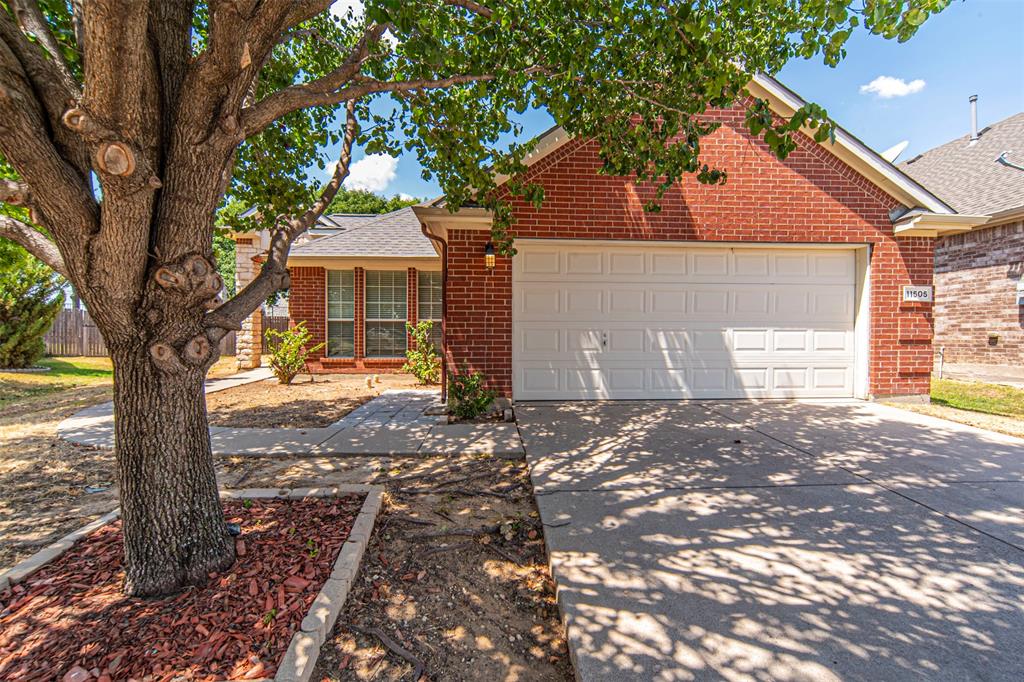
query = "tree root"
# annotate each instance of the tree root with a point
(392, 646)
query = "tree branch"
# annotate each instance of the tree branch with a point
(287, 100)
(283, 102)
(473, 7)
(32, 21)
(14, 193)
(34, 241)
(58, 188)
(274, 273)
(49, 85)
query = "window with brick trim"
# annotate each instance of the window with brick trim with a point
(429, 304)
(386, 313)
(341, 313)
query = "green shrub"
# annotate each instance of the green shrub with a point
(31, 295)
(422, 359)
(468, 397)
(289, 352)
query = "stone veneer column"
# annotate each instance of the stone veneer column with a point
(249, 341)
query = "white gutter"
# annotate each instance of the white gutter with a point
(936, 224)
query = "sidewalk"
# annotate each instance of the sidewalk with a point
(392, 424)
(1007, 375)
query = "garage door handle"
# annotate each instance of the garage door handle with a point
(604, 339)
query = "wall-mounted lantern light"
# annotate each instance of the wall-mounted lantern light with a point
(489, 255)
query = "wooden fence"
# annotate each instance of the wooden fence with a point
(278, 322)
(73, 333)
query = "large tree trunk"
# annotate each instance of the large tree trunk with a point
(173, 523)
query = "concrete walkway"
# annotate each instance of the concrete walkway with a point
(394, 423)
(780, 540)
(1007, 375)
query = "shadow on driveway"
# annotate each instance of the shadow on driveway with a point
(797, 541)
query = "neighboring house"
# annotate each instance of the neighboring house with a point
(979, 295)
(787, 281)
(356, 280)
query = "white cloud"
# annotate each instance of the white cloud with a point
(340, 8)
(888, 87)
(405, 197)
(373, 173)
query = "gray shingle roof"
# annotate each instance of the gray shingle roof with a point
(390, 235)
(968, 176)
(345, 221)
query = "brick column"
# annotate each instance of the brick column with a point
(412, 312)
(359, 323)
(248, 341)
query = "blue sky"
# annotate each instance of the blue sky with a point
(973, 47)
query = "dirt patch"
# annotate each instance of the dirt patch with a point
(71, 614)
(455, 574)
(44, 479)
(992, 422)
(303, 404)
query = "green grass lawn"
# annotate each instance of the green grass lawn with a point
(979, 397)
(64, 374)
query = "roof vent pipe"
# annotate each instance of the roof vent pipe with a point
(974, 118)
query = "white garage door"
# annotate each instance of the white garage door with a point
(665, 321)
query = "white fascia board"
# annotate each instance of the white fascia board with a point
(937, 224)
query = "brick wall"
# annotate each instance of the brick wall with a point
(976, 277)
(307, 300)
(809, 197)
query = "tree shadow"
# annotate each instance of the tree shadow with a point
(749, 540)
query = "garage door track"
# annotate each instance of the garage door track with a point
(780, 540)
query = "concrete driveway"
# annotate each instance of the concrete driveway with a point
(782, 541)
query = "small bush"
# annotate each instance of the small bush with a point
(468, 397)
(289, 352)
(31, 295)
(422, 359)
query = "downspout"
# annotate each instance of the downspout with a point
(444, 308)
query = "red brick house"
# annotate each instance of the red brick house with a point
(979, 293)
(788, 281)
(357, 288)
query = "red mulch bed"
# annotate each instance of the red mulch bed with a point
(239, 625)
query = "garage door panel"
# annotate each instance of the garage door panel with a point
(662, 341)
(667, 264)
(537, 302)
(750, 340)
(667, 302)
(626, 341)
(539, 261)
(757, 303)
(627, 263)
(585, 340)
(636, 321)
(584, 263)
(710, 303)
(708, 263)
(583, 303)
(753, 264)
(627, 303)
